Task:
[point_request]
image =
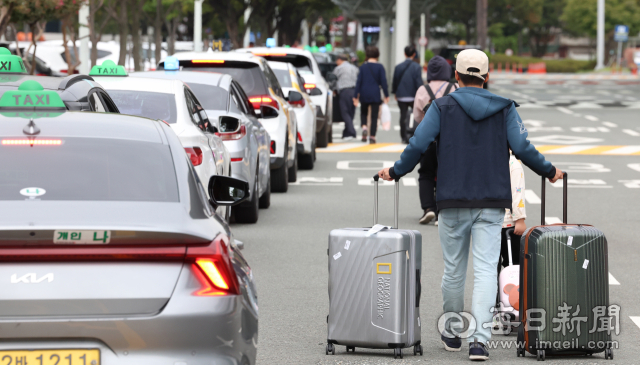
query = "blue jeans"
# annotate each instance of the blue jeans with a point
(456, 227)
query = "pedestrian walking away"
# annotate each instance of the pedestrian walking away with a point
(347, 75)
(475, 129)
(371, 79)
(407, 79)
(438, 85)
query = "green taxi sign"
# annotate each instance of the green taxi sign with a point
(108, 68)
(10, 63)
(31, 96)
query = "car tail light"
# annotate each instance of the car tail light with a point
(299, 137)
(195, 154)
(92, 253)
(213, 269)
(300, 103)
(273, 147)
(256, 101)
(207, 61)
(31, 142)
(237, 159)
(309, 86)
(233, 136)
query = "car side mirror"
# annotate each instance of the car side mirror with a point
(228, 124)
(227, 191)
(314, 92)
(268, 112)
(294, 96)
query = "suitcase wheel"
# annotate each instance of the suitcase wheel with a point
(608, 354)
(417, 349)
(397, 352)
(520, 352)
(351, 348)
(540, 355)
(330, 349)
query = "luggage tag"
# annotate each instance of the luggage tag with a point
(375, 229)
(570, 241)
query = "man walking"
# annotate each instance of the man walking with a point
(475, 129)
(347, 75)
(407, 79)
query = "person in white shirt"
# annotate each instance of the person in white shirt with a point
(515, 216)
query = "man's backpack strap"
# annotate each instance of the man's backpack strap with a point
(448, 89)
(432, 97)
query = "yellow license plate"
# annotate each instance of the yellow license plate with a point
(50, 357)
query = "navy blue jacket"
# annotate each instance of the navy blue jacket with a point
(370, 78)
(475, 130)
(411, 81)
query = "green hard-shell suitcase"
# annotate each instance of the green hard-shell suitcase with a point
(564, 289)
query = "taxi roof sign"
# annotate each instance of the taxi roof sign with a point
(31, 96)
(108, 68)
(10, 63)
(171, 64)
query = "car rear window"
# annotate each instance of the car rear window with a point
(301, 63)
(146, 104)
(211, 97)
(284, 77)
(87, 169)
(247, 74)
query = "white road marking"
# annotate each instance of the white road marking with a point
(584, 105)
(589, 129)
(612, 280)
(583, 183)
(319, 181)
(564, 139)
(626, 150)
(368, 181)
(532, 106)
(396, 127)
(635, 320)
(591, 118)
(531, 197)
(392, 148)
(582, 167)
(552, 220)
(565, 110)
(631, 184)
(377, 165)
(569, 149)
(631, 132)
(634, 166)
(409, 181)
(609, 124)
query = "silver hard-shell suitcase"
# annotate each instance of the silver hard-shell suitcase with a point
(374, 286)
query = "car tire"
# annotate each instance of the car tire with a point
(330, 133)
(307, 161)
(249, 213)
(322, 137)
(280, 177)
(293, 170)
(265, 199)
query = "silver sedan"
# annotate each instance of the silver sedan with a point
(110, 252)
(247, 141)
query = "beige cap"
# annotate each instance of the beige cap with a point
(472, 62)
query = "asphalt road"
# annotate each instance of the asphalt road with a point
(287, 248)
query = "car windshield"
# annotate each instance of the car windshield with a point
(247, 74)
(284, 77)
(97, 169)
(211, 97)
(301, 63)
(146, 104)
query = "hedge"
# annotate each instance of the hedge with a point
(563, 65)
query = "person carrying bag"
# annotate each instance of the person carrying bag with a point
(371, 79)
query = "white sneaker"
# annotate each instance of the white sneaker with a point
(349, 138)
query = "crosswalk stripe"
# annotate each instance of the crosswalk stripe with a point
(391, 148)
(545, 149)
(552, 220)
(612, 280)
(568, 150)
(631, 132)
(531, 197)
(340, 147)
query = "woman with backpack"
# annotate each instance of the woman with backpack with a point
(438, 85)
(371, 79)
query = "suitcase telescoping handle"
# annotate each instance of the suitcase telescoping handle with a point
(508, 234)
(396, 201)
(564, 199)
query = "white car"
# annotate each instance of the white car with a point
(265, 94)
(173, 102)
(316, 86)
(293, 87)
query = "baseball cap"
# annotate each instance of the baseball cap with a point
(472, 62)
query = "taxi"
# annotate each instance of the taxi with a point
(106, 231)
(77, 92)
(173, 102)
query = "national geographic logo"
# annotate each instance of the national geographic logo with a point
(384, 288)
